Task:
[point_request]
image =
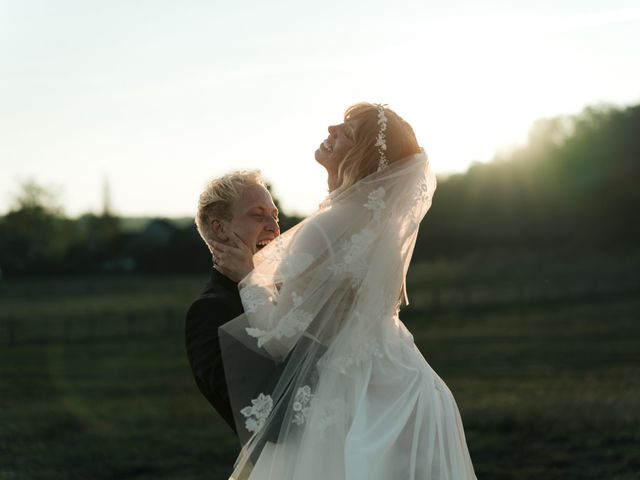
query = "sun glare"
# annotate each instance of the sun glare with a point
(469, 99)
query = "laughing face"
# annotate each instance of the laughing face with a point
(335, 147)
(254, 218)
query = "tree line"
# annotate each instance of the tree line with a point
(572, 186)
(37, 238)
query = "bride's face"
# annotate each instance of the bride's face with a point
(334, 148)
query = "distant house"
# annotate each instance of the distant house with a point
(158, 232)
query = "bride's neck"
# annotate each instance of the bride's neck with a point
(332, 182)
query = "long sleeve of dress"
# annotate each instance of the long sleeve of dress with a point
(279, 310)
(287, 298)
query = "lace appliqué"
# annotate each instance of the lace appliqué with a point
(421, 192)
(357, 244)
(257, 412)
(420, 197)
(253, 296)
(328, 416)
(302, 405)
(362, 352)
(293, 322)
(322, 418)
(375, 203)
(353, 259)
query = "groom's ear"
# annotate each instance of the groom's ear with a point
(219, 232)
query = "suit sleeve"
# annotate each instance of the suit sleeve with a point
(203, 350)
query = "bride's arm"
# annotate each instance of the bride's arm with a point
(281, 304)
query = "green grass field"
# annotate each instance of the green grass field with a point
(547, 390)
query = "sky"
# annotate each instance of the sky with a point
(154, 98)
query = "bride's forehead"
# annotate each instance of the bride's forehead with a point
(351, 123)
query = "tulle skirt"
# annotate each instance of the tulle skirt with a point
(379, 412)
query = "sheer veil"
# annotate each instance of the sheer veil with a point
(320, 306)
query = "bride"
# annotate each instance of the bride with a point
(350, 397)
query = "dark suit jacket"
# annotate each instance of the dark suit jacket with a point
(218, 303)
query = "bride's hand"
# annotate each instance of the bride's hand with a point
(234, 261)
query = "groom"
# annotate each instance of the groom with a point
(234, 208)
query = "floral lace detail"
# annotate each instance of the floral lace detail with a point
(363, 352)
(253, 296)
(353, 260)
(421, 192)
(375, 203)
(328, 416)
(297, 299)
(420, 196)
(302, 405)
(293, 322)
(356, 246)
(257, 412)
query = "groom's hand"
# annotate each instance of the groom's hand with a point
(234, 260)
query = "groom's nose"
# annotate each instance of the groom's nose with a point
(273, 226)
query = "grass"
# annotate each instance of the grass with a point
(545, 394)
(107, 410)
(546, 389)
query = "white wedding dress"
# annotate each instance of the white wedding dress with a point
(325, 380)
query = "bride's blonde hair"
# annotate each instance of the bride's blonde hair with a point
(363, 158)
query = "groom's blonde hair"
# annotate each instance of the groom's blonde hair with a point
(217, 199)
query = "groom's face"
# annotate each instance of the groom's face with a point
(254, 218)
